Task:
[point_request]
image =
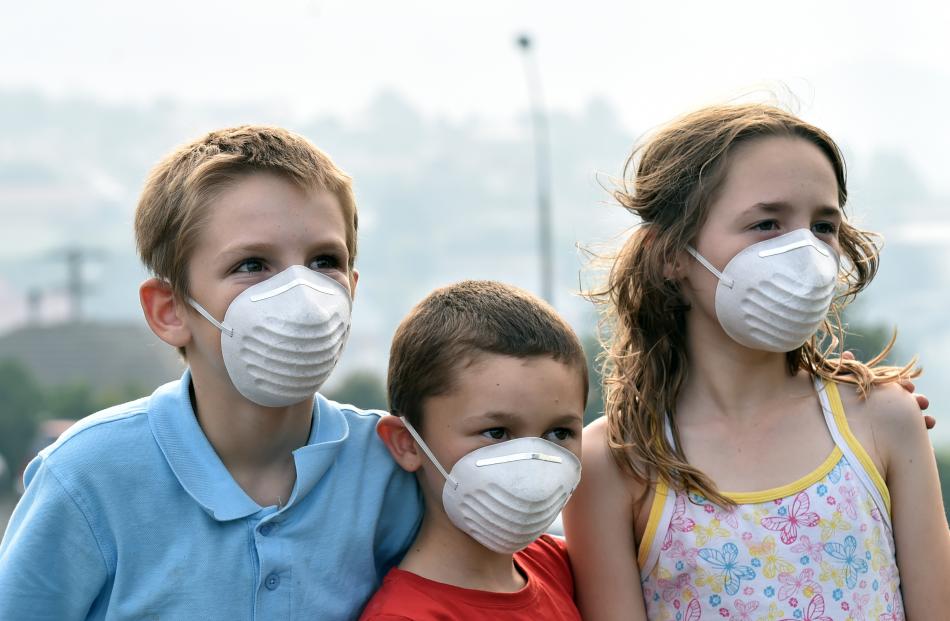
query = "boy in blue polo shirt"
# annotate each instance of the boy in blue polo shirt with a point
(234, 492)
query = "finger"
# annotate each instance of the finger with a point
(930, 421)
(922, 401)
(847, 355)
(908, 385)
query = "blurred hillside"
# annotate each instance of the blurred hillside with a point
(440, 200)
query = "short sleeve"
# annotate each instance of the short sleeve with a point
(399, 519)
(51, 566)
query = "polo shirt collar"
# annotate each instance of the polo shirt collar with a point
(201, 472)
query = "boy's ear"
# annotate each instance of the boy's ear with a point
(400, 443)
(163, 312)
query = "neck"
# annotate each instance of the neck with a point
(255, 443)
(443, 553)
(728, 379)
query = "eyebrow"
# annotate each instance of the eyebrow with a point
(507, 418)
(248, 248)
(241, 249)
(779, 206)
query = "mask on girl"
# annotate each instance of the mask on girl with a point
(773, 295)
(282, 337)
(505, 495)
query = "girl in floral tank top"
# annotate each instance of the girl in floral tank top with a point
(819, 548)
(723, 309)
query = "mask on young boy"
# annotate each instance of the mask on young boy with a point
(773, 295)
(282, 337)
(506, 495)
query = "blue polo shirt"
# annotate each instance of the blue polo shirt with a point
(132, 515)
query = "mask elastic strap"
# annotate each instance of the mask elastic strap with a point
(207, 315)
(709, 266)
(425, 449)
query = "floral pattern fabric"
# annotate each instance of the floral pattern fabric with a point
(822, 553)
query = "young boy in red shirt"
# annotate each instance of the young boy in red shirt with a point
(488, 386)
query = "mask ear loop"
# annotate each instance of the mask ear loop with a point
(207, 315)
(425, 449)
(725, 280)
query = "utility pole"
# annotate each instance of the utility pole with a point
(542, 162)
(77, 289)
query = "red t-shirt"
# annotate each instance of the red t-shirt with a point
(548, 594)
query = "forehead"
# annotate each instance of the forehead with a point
(522, 388)
(779, 169)
(268, 208)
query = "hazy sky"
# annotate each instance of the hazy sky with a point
(874, 73)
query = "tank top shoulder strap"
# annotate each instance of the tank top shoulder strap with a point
(861, 463)
(661, 514)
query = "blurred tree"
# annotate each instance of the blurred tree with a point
(866, 340)
(364, 389)
(21, 400)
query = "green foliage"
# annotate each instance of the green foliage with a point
(21, 400)
(24, 403)
(364, 389)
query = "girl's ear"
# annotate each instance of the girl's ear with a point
(400, 443)
(163, 313)
(676, 269)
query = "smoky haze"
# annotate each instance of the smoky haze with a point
(425, 105)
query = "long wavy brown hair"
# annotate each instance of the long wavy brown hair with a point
(669, 182)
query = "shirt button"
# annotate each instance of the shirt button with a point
(272, 582)
(266, 529)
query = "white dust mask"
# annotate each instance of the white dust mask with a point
(282, 337)
(773, 295)
(506, 495)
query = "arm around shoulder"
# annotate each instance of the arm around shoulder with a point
(920, 526)
(599, 524)
(51, 566)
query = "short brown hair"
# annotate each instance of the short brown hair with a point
(174, 201)
(453, 326)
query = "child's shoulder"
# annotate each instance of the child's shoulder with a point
(887, 406)
(103, 433)
(601, 465)
(883, 419)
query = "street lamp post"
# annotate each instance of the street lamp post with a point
(542, 161)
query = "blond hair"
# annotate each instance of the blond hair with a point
(173, 206)
(678, 171)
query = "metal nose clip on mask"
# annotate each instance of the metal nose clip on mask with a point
(282, 337)
(506, 495)
(773, 295)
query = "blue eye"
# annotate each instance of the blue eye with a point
(250, 266)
